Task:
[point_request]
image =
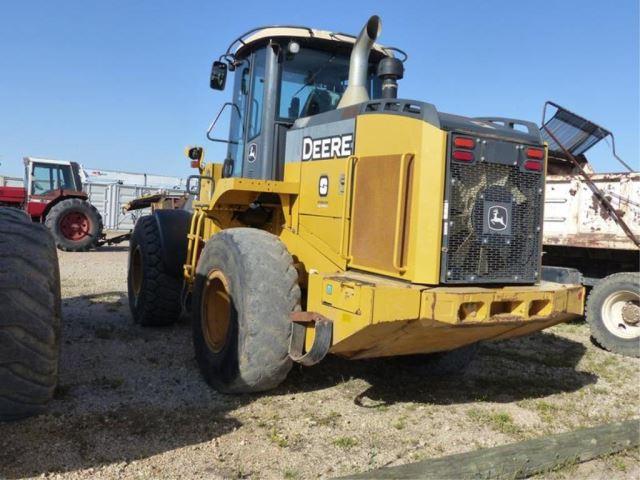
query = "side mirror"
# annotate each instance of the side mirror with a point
(195, 154)
(218, 75)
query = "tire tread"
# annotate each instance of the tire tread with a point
(30, 318)
(159, 301)
(270, 291)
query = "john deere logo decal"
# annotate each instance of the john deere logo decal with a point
(323, 186)
(253, 152)
(498, 218)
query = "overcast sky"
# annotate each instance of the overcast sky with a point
(124, 84)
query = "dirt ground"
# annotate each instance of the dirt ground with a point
(131, 403)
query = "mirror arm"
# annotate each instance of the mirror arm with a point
(200, 178)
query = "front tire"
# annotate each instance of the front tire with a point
(613, 313)
(154, 294)
(75, 224)
(246, 286)
(30, 316)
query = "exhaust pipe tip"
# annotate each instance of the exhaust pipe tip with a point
(356, 91)
(374, 27)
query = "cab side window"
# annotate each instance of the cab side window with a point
(236, 131)
(47, 178)
(43, 180)
(257, 94)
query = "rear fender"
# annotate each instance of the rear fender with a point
(58, 199)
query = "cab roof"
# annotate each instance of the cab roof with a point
(28, 160)
(311, 36)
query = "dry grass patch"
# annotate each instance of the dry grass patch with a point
(345, 443)
(499, 421)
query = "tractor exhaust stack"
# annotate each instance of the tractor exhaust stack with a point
(359, 64)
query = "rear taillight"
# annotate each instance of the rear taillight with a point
(464, 142)
(463, 156)
(533, 165)
(536, 153)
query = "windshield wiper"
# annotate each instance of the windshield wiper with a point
(313, 76)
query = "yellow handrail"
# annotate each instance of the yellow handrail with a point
(192, 246)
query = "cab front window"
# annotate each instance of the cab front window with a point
(313, 82)
(49, 177)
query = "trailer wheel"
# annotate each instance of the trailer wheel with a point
(154, 294)
(76, 225)
(246, 286)
(30, 315)
(613, 313)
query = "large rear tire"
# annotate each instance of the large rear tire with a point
(613, 313)
(76, 225)
(154, 294)
(246, 286)
(30, 316)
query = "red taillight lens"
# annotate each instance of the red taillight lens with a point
(463, 156)
(464, 142)
(536, 153)
(533, 165)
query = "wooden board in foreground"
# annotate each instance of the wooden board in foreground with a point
(521, 459)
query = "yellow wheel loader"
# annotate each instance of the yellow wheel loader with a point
(346, 220)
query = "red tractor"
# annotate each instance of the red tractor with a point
(53, 195)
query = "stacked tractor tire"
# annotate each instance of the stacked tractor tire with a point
(30, 315)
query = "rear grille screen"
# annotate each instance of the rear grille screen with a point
(493, 225)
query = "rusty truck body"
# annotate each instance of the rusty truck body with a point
(575, 218)
(592, 229)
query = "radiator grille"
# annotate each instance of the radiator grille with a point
(474, 253)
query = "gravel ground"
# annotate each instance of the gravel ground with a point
(131, 403)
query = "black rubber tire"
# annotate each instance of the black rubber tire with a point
(60, 209)
(263, 286)
(158, 301)
(629, 347)
(30, 315)
(442, 364)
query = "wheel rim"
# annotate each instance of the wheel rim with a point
(136, 271)
(621, 314)
(75, 226)
(217, 309)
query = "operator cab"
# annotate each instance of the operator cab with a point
(282, 74)
(48, 177)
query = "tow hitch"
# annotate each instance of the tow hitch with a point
(321, 342)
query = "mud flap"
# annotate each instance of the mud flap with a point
(321, 342)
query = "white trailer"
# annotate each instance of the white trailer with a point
(110, 198)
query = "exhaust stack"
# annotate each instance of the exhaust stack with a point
(356, 91)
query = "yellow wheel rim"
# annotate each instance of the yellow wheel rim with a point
(216, 310)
